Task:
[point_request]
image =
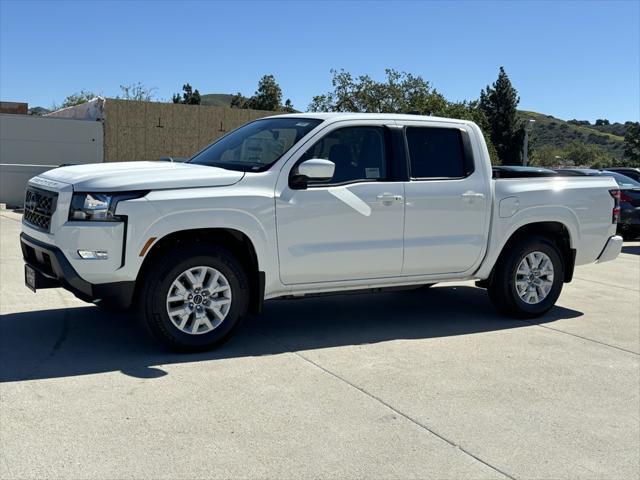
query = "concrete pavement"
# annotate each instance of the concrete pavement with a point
(422, 384)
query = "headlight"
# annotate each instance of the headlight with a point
(99, 207)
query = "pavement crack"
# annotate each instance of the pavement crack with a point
(10, 218)
(62, 337)
(387, 405)
(403, 415)
(583, 338)
(609, 285)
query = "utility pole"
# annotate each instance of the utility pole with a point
(525, 152)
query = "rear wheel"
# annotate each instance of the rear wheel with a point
(195, 298)
(528, 279)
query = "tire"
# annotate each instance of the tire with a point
(506, 284)
(202, 328)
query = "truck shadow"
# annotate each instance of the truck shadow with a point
(85, 340)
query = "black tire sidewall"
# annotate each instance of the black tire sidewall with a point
(503, 291)
(157, 318)
(549, 249)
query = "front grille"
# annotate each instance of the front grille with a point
(39, 206)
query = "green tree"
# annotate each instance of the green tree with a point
(76, 99)
(137, 91)
(288, 106)
(268, 96)
(602, 121)
(547, 156)
(189, 96)
(632, 145)
(584, 155)
(499, 103)
(401, 92)
(238, 101)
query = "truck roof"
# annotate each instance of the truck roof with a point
(368, 116)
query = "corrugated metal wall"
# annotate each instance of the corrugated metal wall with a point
(150, 130)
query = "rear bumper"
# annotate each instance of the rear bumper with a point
(53, 270)
(611, 249)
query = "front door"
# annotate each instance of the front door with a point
(347, 228)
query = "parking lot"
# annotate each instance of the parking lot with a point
(416, 384)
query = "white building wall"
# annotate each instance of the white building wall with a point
(30, 145)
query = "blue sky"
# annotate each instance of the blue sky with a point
(570, 59)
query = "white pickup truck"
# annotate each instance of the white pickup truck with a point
(305, 204)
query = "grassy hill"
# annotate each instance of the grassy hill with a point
(553, 132)
(217, 99)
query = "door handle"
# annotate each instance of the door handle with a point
(389, 197)
(472, 195)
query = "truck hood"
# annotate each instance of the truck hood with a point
(124, 176)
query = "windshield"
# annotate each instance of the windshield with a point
(622, 180)
(257, 145)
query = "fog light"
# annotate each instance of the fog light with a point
(93, 254)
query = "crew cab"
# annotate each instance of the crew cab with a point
(305, 204)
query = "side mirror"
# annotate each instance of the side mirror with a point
(315, 169)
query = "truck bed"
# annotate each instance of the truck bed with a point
(583, 204)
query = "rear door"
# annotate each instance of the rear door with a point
(447, 200)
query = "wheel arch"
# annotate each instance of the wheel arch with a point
(556, 231)
(236, 242)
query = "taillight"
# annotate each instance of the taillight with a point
(625, 198)
(615, 214)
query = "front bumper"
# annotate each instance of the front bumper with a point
(611, 250)
(53, 270)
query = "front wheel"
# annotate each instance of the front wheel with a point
(194, 298)
(528, 279)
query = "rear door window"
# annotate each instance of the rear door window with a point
(436, 152)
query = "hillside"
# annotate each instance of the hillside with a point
(553, 132)
(217, 99)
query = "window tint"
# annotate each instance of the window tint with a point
(358, 153)
(435, 152)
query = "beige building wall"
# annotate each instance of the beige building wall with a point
(150, 130)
